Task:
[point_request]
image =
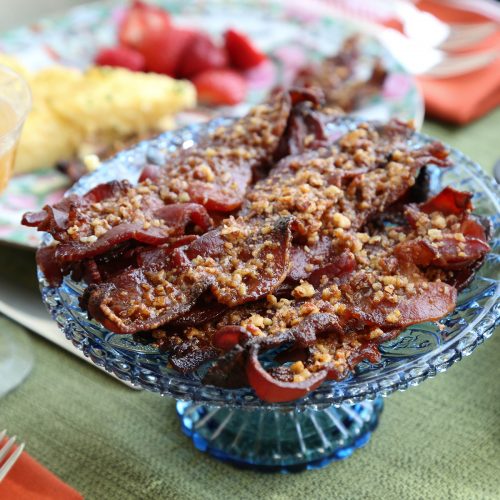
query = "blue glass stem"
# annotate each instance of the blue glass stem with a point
(280, 441)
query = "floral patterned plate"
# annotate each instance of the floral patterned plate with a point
(285, 30)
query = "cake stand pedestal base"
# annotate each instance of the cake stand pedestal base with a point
(280, 441)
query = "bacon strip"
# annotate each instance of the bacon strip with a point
(176, 218)
(229, 261)
(448, 237)
(449, 202)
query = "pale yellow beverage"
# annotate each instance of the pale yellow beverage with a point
(8, 123)
(15, 104)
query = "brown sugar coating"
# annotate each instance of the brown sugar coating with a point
(341, 186)
(238, 262)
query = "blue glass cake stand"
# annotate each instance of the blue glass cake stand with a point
(336, 419)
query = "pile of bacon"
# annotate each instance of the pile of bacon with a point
(269, 233)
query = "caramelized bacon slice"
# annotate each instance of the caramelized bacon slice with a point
(75, 211)
(248, 258)
(426, 302)
(274, 390)
(342, 187)
(106, 217)
(175, 219)
(218, 170)
(53, 219)
(450, 254)
(238, 262)
(131, 301)
(447, 236)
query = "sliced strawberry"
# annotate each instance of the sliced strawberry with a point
(220, 87)
(121, 57)
(200, 55)
(242, 52)
(163, 51)
(142, 20)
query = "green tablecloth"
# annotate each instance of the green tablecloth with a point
(438, 440)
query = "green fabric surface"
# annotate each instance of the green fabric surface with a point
(438, 440)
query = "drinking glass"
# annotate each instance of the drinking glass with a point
(16, 356)
(15, 104)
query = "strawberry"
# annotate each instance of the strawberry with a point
(140, 21)
(220, 87)
(200, 55)
(121, 57)
(163, 51)
(241, 51)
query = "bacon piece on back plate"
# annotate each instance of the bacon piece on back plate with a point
(336, 76)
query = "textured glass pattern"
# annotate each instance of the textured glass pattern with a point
(418, 353)
(280, 441)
